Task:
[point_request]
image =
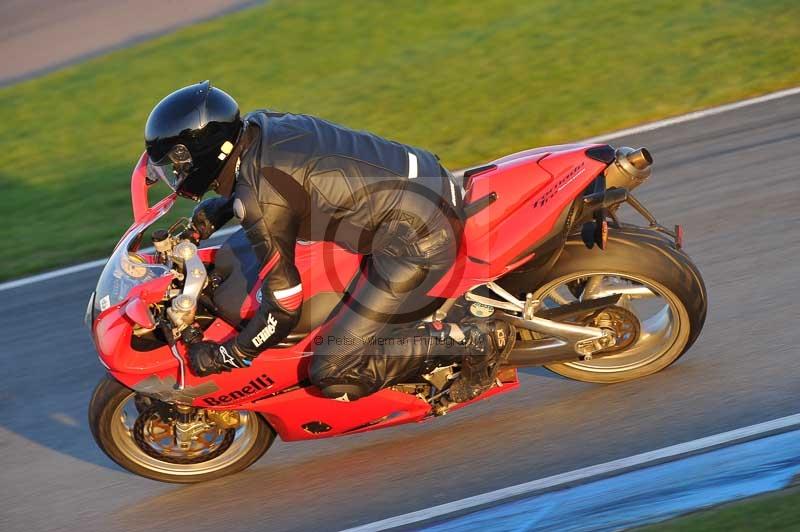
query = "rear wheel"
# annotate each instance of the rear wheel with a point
(663, 296)
(139, 434)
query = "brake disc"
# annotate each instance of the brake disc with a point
(151, 420)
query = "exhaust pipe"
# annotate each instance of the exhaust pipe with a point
(640, 158)
(629, 169)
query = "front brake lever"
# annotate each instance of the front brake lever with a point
(172, 342)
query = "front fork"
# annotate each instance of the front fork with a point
(191, 423)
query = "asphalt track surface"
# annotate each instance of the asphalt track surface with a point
(731, 180)
(37, 36)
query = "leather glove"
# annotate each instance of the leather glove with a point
(207, 358)
(212, 214)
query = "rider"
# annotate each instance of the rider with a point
(287, 176)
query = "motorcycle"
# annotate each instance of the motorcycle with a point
(591, 298)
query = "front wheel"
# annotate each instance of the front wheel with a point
(662, 291)
(139, 434)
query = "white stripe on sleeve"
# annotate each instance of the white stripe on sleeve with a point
(288, 292)
(412, 165)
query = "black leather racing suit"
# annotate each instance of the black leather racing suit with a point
(301, 177)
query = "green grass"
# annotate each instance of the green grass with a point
(468, 80)
(774, 512)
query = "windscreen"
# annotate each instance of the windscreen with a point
(123, 271)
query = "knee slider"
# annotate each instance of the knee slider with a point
(344, 392)
(334, 386)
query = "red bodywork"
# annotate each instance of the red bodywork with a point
(533, 188)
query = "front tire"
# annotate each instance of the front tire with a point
(113, 415)
(642, 260)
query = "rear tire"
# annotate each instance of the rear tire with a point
(106, 410)
(644, 256)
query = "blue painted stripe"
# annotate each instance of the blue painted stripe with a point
(650, 494)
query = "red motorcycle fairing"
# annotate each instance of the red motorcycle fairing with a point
(321, 266)
(532, 189)
(113, 332)
(301, 414)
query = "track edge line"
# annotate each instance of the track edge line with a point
(588, 474)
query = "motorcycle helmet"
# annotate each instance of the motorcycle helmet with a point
(189, 136)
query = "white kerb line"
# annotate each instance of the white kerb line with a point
(46, 276)
(711, 111)
(584, 474)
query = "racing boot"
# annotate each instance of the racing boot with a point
(487, 346)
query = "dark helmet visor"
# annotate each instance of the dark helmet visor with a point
(172, 169)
